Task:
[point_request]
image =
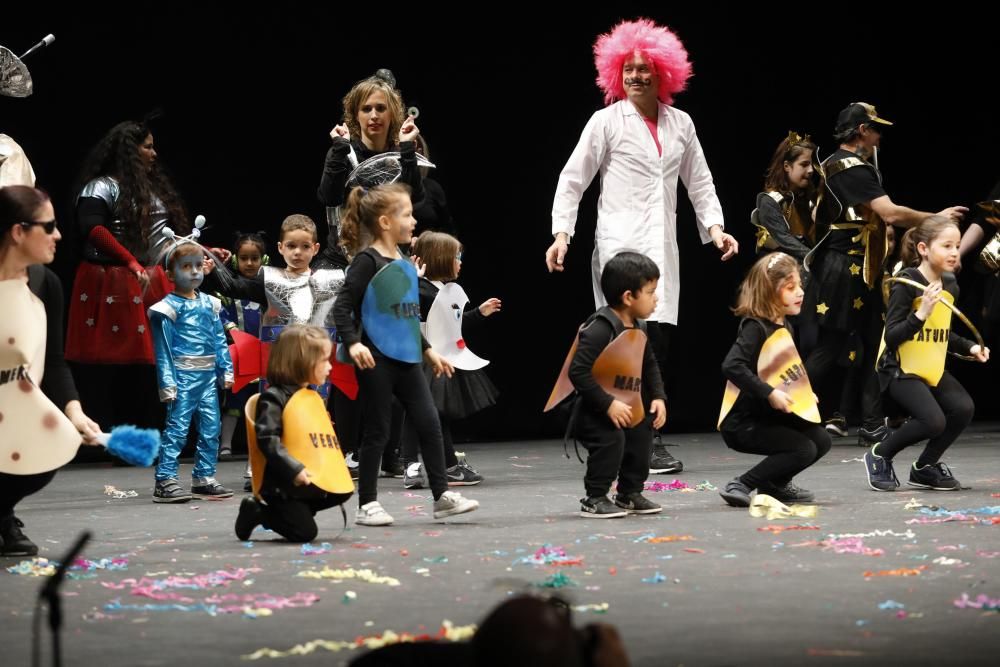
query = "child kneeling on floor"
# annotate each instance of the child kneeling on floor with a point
(298, 467)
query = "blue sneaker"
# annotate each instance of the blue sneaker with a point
(881, 476)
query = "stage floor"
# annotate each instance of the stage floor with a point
(718, 591)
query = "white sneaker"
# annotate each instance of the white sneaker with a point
(451, 503)
(372, 514)
(413, 478)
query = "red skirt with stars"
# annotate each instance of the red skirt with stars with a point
(107, 314)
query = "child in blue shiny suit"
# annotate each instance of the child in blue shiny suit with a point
(191, 358)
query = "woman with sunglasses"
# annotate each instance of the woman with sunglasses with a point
(124, 205)
(28, 236)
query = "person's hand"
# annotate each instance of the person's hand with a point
(207, 265)
(224, 254)
(724, 242)
(982, 354)
(302, 479)
(620, 414)
(955, 213)
(420, 266)
(780, 401)
(556, 253)
(490, 306)
(659, 411)
(932, 294)
(340, 131)
(143, 279)
(84, 425)
(440, 365)
(608, 649)
(409, 131)
(228, 384)
(362, 356)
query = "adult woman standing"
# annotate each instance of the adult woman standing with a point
(28, 236)
(125, 203)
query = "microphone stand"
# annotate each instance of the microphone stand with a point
(49, 595)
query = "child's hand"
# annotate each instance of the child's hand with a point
(207, 265)
(490, 306)
(228, 384)
(438, 363)
(362, 356)
(982, 354)
(302, 479)
(224, 254)
(421, 267)
(620, 413)
(780, 401)
(932, 294)
(659, 411)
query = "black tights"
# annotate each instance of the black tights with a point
(15, 488)
(790, 444)
(407, 383)
(937, 414)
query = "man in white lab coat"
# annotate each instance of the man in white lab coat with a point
(640, 145)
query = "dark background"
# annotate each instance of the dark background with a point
(250, 95)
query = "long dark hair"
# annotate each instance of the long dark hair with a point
(117, 155)
(789, 150)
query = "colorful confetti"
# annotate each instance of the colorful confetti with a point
(899, 572)
(448, 632)
(339, 575)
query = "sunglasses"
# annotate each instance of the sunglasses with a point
(49, 227)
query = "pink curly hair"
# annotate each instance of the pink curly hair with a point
(656, 43)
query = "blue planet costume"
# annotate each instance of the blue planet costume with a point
(192, 357)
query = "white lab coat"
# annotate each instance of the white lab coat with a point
(637, 209)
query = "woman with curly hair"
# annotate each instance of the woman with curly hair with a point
(374, 122)
(125, 203)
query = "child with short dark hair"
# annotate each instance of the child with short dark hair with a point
(614, 371)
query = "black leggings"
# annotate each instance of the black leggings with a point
(15, 488)
(294, 519)
(790, 444)
(937, 414)
(377, 387)
(410, 443)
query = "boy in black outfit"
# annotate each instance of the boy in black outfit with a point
(609, 417)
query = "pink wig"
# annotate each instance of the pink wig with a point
(655, 43)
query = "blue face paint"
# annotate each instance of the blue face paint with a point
(187, 272)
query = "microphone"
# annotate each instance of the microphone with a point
(46, 41)
(49, 590)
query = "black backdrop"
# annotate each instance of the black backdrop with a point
(249, 96)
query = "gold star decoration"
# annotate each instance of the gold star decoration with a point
(852, 355)
(855, 269)
(858, 304)
(821, 308)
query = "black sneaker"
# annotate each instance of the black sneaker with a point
(662, 462)
(462, 475)
(872, 434)
(789, 493)
(936, 477)
(600, 508)
(352, 464)
(636, 503)
(736, 493)
(835, 425)
(248, 485)
(881, 476)
(393, 469)
(169, 491)
(209, 489)
(14, 541)
(248, 518)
